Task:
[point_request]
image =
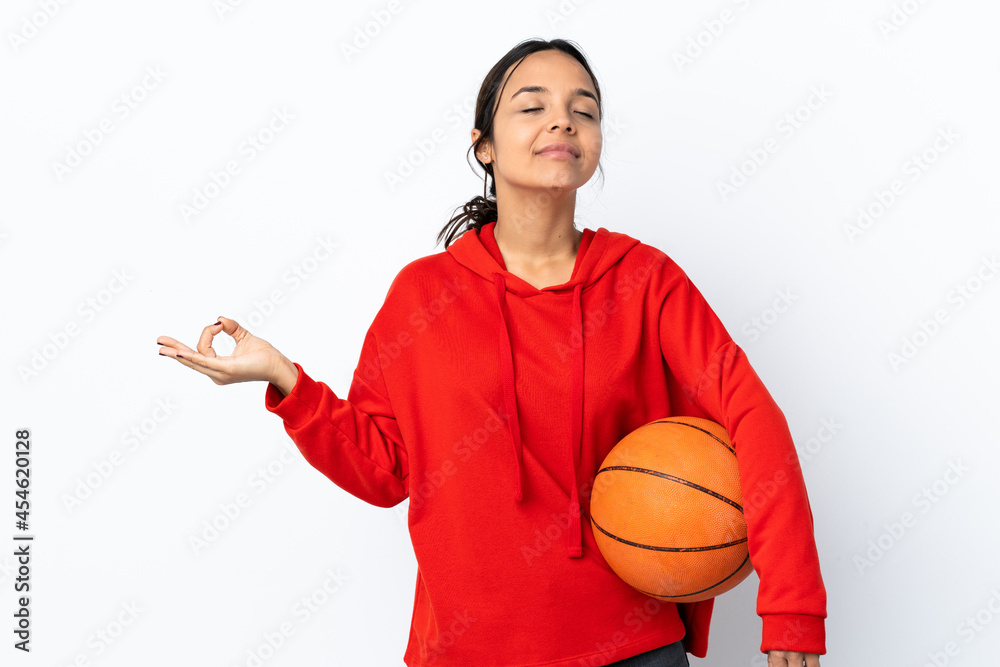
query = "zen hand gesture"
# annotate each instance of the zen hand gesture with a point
(253, 359)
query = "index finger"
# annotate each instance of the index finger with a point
(205, 341)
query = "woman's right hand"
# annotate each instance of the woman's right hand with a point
(253, 359)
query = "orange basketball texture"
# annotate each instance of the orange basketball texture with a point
(666, 510)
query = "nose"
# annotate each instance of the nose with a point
(562, 119)
(559, 122)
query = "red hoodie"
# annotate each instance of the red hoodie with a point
(491, 404)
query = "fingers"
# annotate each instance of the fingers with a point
(204, 359)
(210, 366)
(791, 659)
(171, 347)
(224, 324)
(205, 340)
(233, 328)
(783, 659)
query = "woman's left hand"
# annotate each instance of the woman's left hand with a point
(791, 659)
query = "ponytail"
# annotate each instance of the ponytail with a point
(477, 212)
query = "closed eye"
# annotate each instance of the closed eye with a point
(539, 109)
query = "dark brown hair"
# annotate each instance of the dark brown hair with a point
(482, 210)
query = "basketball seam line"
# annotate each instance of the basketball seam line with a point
(698, 428)
(673, 549)
(721, 581)
(674, 478)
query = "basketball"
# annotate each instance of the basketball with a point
(666, 510)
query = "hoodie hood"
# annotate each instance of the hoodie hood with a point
(604, 250)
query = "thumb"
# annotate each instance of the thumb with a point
(233, 328)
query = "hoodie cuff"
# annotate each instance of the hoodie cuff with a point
(301, 402)
(801, 633)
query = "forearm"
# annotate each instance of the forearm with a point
(791, 597)
(356, 443)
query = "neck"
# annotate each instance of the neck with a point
(532, 233)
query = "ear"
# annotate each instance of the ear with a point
(485, 153)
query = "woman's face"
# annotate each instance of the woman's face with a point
(542, 104)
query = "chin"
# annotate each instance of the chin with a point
(563, 188)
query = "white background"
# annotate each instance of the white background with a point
(111, 230)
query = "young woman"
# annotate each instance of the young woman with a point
(496, 377)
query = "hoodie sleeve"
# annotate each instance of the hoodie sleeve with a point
(717, 377)
(355, 442)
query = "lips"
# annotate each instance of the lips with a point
(561, 146)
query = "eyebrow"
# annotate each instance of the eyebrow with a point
(542, 89)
